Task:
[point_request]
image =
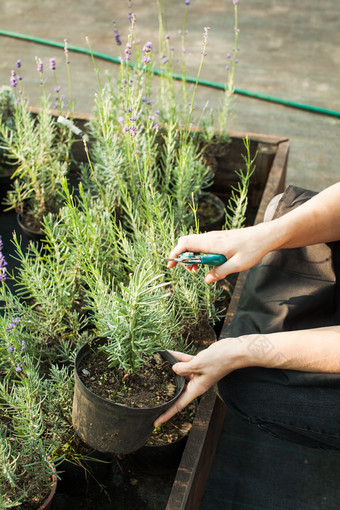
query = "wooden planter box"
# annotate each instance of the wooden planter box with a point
(267, 181)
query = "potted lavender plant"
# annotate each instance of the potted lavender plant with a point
(121, 381)
(27, 472)
(40, 149)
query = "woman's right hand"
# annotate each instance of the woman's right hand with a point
(243, 248)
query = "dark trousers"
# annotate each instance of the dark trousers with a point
(288, 290)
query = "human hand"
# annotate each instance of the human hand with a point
(201, 372)
(243, 248)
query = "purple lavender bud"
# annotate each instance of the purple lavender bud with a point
(40, 67)
(228, 55)
(19, 369)
(187, 2)
(133, 131)
(3, 262)
(127, 51)
(149, 102)
(57, 89)
(132, 17)
(11, 349)
(13, 324)
(167, 36)
(117, 38)
(23, 345)
(147, 47)
(146, 60)
(235, 2)
(133, 118)
(53, 64)
(13, 79)
(156, 127)
(18, 64)
(121, 120)
(3, 274)
(66, 51)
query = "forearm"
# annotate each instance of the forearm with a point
(315, 221)
(312, 350)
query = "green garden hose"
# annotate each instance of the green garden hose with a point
(206, 83)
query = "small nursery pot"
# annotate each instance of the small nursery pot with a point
(30, 234)
(211, 212)
(112, 427)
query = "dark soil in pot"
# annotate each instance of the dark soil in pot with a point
(154, 383)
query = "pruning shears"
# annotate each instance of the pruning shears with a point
(189, 258)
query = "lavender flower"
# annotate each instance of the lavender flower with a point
(147, 47)
(57, 89)
(3, 264)
(13, 79)
(40, 66)
(235, 2)
(53, 64)
(11, 349)
(205, 41)
(127, 52)
(18, 64)
(13, 324)
(133, 131)
(22, 345)
(18, 368)
(66, 51)
(132, 18)
(187, 2)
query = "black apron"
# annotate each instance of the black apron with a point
(291, 289)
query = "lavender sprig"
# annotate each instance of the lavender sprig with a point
(3, 263)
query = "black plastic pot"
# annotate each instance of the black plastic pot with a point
(30, 234)
(216, 217)
(111, 427)
(161, 458)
